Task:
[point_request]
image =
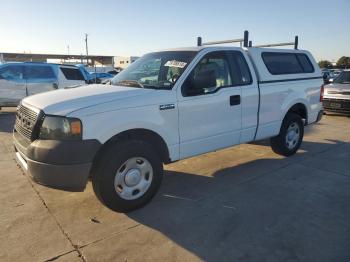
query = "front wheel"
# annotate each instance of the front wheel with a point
(127, 176)
(290, 137)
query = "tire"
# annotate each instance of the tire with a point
(127, 175)
(287, 143)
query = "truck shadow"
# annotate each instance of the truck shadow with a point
(255, 211)
(7, 121)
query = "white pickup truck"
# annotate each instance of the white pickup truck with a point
(166, 106)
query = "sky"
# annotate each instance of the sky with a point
(135, 27)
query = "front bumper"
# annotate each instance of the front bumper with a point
(59, 164)
(341, 106)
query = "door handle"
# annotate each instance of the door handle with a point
(235, 100)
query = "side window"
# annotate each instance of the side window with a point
(72, 73)
(282, 63)
(239, 69)
(39, 72)
(287, 63)
(11, 72)
(305, 63)
(211, 73)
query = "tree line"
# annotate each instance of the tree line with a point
(343, 62)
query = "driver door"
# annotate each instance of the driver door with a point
(209, 107)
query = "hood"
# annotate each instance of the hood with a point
(65, 101)
(337, 90)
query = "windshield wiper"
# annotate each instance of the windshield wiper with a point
(133, 83)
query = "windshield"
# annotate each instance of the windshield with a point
(343, 78)
(159, 70)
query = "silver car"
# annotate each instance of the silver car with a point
(337, 94)
(18, 80)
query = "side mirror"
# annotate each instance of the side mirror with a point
(201, 82)
(205, 79)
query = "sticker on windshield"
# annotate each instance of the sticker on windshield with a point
(174, 63)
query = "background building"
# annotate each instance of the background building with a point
(99, 62)
(124, 61)
(92, 60)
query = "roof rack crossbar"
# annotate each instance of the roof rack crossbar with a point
(295, 44)
(277, 44)
(239, 40)
(247, 43)
(243, 40)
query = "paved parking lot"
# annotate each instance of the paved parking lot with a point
(240, 204)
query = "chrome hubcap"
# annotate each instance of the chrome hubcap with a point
(293, 134)
(133, 178)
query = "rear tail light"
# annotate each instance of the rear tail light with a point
(321, 93)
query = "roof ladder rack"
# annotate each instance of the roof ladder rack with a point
(243, 40)
(295, 44)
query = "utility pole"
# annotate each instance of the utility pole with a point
(86, 48)
(68, 50)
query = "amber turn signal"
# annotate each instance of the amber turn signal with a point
(75, 127)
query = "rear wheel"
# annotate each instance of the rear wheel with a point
(290, 137)
(127, 176)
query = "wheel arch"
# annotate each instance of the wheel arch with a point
(299, 109)
(137, 134)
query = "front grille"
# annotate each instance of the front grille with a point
(25, 121)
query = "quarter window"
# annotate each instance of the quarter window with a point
(305, 63)
(72, 73)
(287, 63)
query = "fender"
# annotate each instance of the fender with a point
(290, 103)
(164, 123)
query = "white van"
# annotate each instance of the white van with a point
(19, 80)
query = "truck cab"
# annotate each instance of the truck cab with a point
(166, 106)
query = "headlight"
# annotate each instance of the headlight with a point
(61, 128)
